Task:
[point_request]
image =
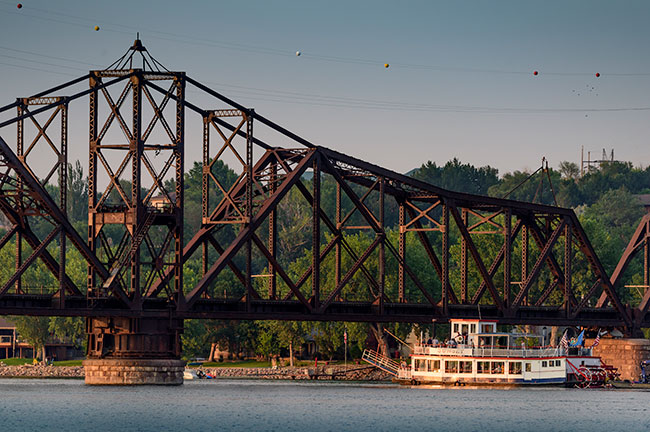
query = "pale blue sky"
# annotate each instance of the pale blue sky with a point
(460, 80)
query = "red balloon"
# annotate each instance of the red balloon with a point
(19, 5)
(597, 74)
(535, 73)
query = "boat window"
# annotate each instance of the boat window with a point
(455, 327)
(558, 363)
(464, 328)
(433, 365)
(528, 367)
(515, 368)
(544, 363)
(465, 367)
(497, 367)
(483, 367)
(472, 328)
(502, 341)
(451, 366)
(421, 365)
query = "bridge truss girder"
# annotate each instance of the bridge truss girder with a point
(519, 263)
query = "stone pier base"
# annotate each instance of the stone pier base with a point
(624, 354)
(134, 371)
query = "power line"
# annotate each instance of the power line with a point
(192, 40)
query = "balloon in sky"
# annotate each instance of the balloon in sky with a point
(96, 28)
(597, 74)
(535, 73)
(386, 65)
(19, 5)
(298, 53)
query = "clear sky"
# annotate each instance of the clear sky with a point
(460, 81)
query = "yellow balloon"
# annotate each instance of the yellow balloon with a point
(96, 28)
(386, 65)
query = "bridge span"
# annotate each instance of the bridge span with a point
(517, 262)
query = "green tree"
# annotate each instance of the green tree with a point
(459, 177)
(35, 330)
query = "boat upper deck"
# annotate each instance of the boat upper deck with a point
(496, 351)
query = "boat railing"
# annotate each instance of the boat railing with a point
(468, 351)
(381, 361)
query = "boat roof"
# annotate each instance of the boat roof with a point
(508, 334)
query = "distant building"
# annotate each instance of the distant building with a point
(12, 346)
(161, 202)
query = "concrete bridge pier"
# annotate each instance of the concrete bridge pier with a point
(626, 354)
(134, 351)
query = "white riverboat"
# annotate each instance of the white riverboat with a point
(476, 354)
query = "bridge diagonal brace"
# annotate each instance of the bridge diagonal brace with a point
(586, 298)
(476, 256)
(344, 281)
(20, 226)
(56, 213)
(359, 205)
(323, 254)
(35, 254)
(547, 292)
(285, 277)
(338, 233)
(630, 251)
(433, 258)
(590, 253)
(245, 233)
(412, 275)
(495, 265)
(546, 250)
(554, 266)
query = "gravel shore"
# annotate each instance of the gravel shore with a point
(351, 373)
(41, 371)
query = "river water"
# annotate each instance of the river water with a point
(258, 405)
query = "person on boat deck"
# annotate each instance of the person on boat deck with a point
(436, 342)
(429, 342)
(452, 343)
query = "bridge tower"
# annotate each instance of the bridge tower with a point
(135, 218)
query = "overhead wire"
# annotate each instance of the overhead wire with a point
(323, 100)
(175, 37)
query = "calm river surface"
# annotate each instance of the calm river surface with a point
(238, 405)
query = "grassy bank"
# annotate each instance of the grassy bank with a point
(24, 361)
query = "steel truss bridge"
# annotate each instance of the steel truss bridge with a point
(542, 268)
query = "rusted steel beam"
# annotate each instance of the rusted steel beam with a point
(476, 257)
(546, 250)
(433, 258)
(495, 264)
(48, 203)
(244, 234)
(637, 240)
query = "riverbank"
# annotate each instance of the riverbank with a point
(338, 372)
(41, 371)
(351, 373)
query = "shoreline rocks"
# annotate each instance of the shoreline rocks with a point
(338, 373)
(41, 371)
